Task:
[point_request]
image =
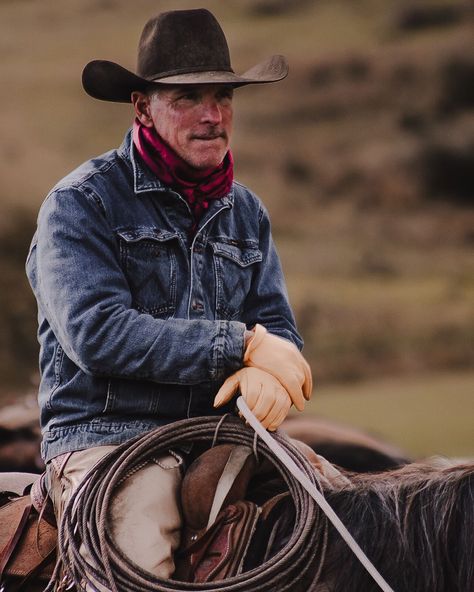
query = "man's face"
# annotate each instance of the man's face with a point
(195, 121)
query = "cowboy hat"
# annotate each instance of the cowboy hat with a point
(177, 47)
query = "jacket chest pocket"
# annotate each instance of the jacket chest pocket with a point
(234, 263)
(149, 262)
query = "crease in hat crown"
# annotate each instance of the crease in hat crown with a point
(177, 47)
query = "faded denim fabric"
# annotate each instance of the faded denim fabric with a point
(140, 322)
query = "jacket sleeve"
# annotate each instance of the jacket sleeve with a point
(82, 292)
(268, 302)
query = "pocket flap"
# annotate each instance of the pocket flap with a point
(133, 235)
(241, 253)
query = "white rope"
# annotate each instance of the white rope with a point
(313, 492)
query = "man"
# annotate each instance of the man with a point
(160, 293)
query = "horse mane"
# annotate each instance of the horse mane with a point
(414, 523)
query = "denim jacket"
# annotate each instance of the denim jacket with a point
(141, 320)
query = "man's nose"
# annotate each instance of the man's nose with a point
(211, 111)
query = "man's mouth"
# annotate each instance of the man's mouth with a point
(209, 137)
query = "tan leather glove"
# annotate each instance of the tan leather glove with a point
(264, 395)
(283, 360)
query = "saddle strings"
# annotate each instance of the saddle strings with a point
(84, 531)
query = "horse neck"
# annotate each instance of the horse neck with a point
(415, 524)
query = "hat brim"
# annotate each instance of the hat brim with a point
(109, 81)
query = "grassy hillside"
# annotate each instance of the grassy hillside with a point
(364, 157)
(426, 414)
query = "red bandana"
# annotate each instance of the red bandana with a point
(198, 187)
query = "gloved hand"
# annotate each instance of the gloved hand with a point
(262, 392)
(283, 360)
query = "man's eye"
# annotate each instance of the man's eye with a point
(226, 94)
(191, 96)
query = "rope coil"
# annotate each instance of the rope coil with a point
(84, 526)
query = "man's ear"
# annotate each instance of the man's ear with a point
(141, 105)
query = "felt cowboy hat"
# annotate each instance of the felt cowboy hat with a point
(177, 47)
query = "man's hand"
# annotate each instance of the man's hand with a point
(264, 395)
(283, 360)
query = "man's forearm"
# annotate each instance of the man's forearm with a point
(84, 295)
(133, 345)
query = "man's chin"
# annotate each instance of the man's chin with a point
(206, 161)
(205, 154)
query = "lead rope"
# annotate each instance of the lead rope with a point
(313, 492)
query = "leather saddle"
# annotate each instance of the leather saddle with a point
(231, 523)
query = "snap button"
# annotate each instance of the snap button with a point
(197, 305)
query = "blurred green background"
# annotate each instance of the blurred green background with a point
(364, 156)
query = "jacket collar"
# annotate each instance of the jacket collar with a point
(144, 180)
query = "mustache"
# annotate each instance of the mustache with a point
(211, 134)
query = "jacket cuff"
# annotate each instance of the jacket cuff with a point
(228, 351)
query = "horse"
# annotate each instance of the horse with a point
(414, 522)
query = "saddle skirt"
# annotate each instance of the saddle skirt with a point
(27, 543)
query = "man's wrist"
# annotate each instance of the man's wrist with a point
(248, 335)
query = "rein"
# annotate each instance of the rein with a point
(313, 491)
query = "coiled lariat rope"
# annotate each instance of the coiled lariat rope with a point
(85, 528)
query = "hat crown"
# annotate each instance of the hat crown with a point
(177, 47)
(182, 41)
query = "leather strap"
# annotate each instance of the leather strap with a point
(41, 500)
(232, 468)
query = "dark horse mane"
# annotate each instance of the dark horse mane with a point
(416, 525)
